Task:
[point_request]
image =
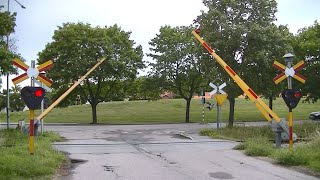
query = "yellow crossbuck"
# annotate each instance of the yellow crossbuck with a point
(294, 70)
(32, 72)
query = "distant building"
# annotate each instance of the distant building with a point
(167, 95)
(207, 96)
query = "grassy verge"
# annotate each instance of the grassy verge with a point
(17, 163)
(162, 111)
(257, 143)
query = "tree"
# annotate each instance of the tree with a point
(270, 44)
(144, 88)
(16, 102)
(241, 32)
(307, 47)
(7, 24)
(178, 63)
(76, 47)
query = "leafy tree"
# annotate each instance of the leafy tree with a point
(144, 88)
(273, 42)
(178, 65)
(3, 99)
(76, 47)
(307, 47)
(7, 24)
(241, 33)
(69, 100)
(16, 103)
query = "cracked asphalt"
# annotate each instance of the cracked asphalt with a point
(159, 152)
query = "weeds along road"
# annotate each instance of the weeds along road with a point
(159, 152)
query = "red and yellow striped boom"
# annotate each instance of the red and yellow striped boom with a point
(263, 108)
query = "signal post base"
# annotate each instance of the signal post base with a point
(282, 135)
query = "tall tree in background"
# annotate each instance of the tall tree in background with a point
(271, 44)
(178, 62)
(16, 102)
(239, 31)
(76, 47)
(7, 25)
(144, 88)
(307, 47)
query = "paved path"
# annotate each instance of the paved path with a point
(160, 152)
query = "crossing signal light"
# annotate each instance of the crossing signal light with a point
(32, 96)
(210, 105)
(291, 97)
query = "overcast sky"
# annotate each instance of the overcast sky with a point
(36, 24)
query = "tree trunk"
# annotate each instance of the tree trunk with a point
(231, 111)
(188, 110)
(94, 112)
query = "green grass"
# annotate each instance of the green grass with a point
(16, 161)
(239, 133)
(162, 111)
(257, 142)
(306, 155)
(259, 146)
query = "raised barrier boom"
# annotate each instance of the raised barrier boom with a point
(263, 108)
(44, 113)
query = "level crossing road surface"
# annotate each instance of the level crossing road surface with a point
(159, 152)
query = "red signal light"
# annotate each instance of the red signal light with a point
(38, 93)
(197, 30)
(297, 94)
(291, 97)
(32, 96)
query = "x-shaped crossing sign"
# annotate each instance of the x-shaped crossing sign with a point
(286, 72)
(32, 72)
(217, 88)
(221, 96)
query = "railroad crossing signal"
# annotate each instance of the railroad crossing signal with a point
(32, 72)
(291, 97)
(217, 88)
(210, 105)
(286, 72)
(220, 98)
(218, 93)
(32, 96)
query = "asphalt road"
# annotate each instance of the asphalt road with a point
(160, 152)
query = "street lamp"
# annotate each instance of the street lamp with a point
(288, 58)
(8, 93)
(22, 6)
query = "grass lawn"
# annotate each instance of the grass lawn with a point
(258, 142)
(162, 111)
(17, 163)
